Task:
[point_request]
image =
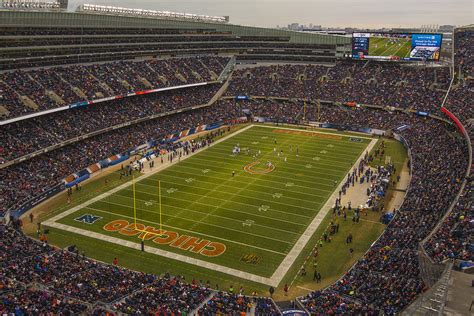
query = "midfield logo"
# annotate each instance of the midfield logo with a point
(88, 219)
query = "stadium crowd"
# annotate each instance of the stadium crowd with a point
(27, 91)
(421, 88)
(17, 138)
(39, 279)
(387, 277)
(459, 101)
(453, 240)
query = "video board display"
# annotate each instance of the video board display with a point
(397, 46)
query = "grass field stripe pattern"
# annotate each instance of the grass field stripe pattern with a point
(211, 216)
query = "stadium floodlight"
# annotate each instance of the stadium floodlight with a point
(31, 5)
(101, 9)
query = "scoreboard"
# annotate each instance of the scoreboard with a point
(397, 46)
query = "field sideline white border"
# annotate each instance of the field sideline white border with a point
(279, 273)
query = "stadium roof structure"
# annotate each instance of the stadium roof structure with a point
(90, 19)
(111, 10)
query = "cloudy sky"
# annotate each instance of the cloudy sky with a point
(359, 13)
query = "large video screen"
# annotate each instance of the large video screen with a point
(396, 46)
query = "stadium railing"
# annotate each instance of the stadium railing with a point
(227, 70)
(433, 301)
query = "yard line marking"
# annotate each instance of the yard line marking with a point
(286, 166)
(335, 152)
(261, 179)
(304, 150)
(232, 201)
(226, 192)
(190, 220)
(260, 185)
(238, 191)
(166, 254)
(237, 211)
(305, 288)
(189, 231)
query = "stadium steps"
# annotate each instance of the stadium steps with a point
(74, 89)
(219, 93)
(28, 102)
(54, 97)
(176, 72)
(103, 85)
(195, 311)
(211, 73)
(180, 77)
(124, 82)
(145, 82)
(4, 111)
(162, 78)
(195, 73)
(227, 70)
(127, 85)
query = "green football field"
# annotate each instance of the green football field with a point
(244, 226)
(382, 46)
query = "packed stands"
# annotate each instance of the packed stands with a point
(452, 239)
(387, 277)
(464, 52)
(391, 85)
(55, 45)
(29, 91)
(54, 128)
(52, 280)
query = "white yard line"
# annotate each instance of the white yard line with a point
(178, 215)
(214, 206)
(279, 273)
(296, 170)
(226, 200)
(256, 184)
(226, 192)
(263, 180)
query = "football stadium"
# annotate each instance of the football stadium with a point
(164, 163)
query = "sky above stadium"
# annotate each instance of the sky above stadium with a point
(357, 13)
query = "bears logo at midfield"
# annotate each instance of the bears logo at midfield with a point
(269, 167)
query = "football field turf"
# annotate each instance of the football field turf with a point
(252, 225)
(383, 47)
